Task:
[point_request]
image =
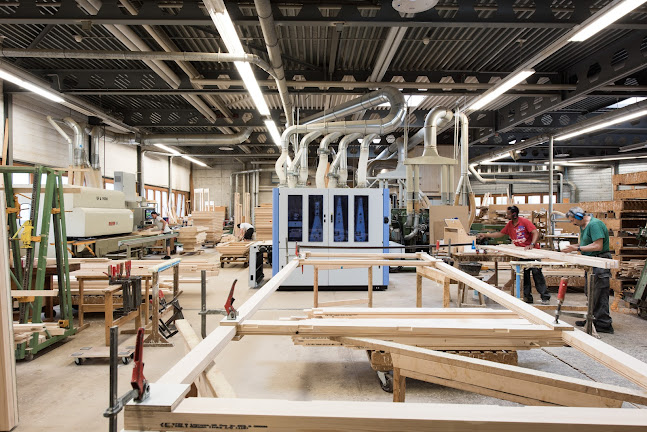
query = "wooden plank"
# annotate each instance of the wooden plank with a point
(34, 293)
(213, 376)
(558, 256)
(635, 178)
(8, 393)
(362, 262)
(543, 386)
(194, 414)
(622, 363)
(422, 313)
(514, 304)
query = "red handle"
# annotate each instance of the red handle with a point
(563, 285)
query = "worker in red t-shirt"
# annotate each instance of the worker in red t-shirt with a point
(523, 233)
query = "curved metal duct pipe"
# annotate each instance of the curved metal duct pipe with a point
(95, 161)
(320, 177)
(362, 166)
(265, 17)
(198, 139)
(385, 125)
(79, 157)
(479, 177)
(138, 55)
(464, 181)
(398, 148)
(338, 174)
(70, 144)
(438, 116)
(302, 164)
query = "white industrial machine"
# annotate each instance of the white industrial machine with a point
(344, 220)
(93, 212)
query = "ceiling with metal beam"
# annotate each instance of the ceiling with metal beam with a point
(446, 56)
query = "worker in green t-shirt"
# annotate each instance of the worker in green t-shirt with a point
(594, 241)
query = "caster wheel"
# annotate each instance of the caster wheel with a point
(386, 381)
(125, 360)
(78, 361)
(222, 265)
(245, 265)
(28, 357)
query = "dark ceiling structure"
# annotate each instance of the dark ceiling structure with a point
(446, 56)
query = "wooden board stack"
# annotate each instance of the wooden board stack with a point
(192, 238)
(212, 220)
(630, 185)
(235, 249)
(263, 222)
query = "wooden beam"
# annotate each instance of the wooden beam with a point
(558, 256)
(377, 255)
(195, 414)
(34, 293)
(518, 381)
(361, 262)
(417, 313)
(622, 363)
(514, 304)
(194, 363)
(214, 378)
(8, 393)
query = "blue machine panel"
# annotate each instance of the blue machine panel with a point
(340, 222)
(295, 218)
(361, 218)
(315, 218)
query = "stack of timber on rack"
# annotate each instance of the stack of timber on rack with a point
(213, 221)
(263, 222)
(630, 186)
(234, 252)
(192, 238)
(623, 218)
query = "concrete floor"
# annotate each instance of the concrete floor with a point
(55, 394)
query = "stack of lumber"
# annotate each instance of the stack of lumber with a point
(234, 248)
(24, 332)
(623, 218)
(212, 220)
(227, 238)
(263, 222)
(630, 186)
(192, 238)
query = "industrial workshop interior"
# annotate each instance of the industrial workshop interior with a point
(302, 215)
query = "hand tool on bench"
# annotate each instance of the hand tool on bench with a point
(139, 383)
(561, 294)
(229, 304)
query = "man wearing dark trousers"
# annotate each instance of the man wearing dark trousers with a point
(594, 241)
(524, 233)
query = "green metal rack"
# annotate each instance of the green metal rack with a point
(50, 205)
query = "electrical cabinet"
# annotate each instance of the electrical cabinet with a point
(332, 220)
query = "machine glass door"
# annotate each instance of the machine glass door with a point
(361, 219)
(340, 218)
(295, 218)
(316, 218)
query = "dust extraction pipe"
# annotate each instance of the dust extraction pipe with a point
(320, 177)
(320, 121)
(198, 139)
(338, 174)
(78, 144)
(438, 116)
(301, 161)
(362, 166)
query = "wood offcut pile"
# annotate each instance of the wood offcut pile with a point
(213, 221)
(24, 332)
(234, 248)
(263, 222)
(192, 238)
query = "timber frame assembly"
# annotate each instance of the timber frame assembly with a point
(416, 339)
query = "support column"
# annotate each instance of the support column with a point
(140, 172)
(8, 120)
(551, 173)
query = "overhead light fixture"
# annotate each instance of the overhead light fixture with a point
(377, 140)
(496, 158)
(613, 14)
(31, 87)
(632, 147)
(585, 160)
(626, 102)
(501, 87)
(225, 148)
(602, 125)
(274, 131)
(195, 161)
(225, 27)
(168, 149)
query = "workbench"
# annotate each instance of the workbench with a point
(490, 256)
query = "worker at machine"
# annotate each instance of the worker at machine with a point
(523, 233)
(594, 241)
(246, 231)
(162, 225)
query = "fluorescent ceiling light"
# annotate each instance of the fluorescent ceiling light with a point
(274, 132)
(602, 125)
(225, 26)
(31, 87)
(605, 19)
(225, 148)
(626, 102)
(496, 158)
(412, 100)
(377, 140)
(632, 147)
(168, 149)
(195, 161)
(600, 159)
(501, 87)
